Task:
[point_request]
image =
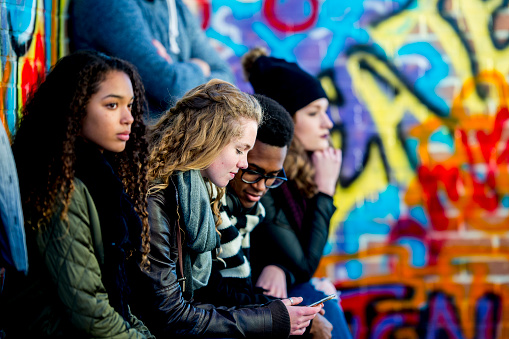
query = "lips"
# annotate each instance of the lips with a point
(253, 197)
(124, 136)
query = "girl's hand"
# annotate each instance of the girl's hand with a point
(300, 316)
(273, 281)
(327, 165)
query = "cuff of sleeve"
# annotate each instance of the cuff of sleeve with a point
(290, 278)
(280, 319)
(324, 195)
(326, 201)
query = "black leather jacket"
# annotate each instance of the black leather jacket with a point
(277, 241)
(158, 295)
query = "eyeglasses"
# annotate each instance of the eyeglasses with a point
(271, 181)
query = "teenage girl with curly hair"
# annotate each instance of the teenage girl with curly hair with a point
(203, 140)
(82, 162)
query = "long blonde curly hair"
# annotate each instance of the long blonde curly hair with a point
(192, 134)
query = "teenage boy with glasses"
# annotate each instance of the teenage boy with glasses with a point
(230, 283)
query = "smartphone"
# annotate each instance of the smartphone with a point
(329, 297)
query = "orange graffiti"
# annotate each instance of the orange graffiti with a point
(471, 177)
(3, 90)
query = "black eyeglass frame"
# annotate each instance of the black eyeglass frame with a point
(263, 176)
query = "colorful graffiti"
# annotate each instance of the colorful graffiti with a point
(32, 40)
(420, 101)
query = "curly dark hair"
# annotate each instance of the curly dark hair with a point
(44, 144)
(277, 128)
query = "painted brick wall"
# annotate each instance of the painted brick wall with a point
(419, 243)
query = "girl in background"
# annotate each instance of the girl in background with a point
(287, 246)
(81, 158)
(203, 140)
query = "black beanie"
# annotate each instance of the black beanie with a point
(277, 127)
(285, 82)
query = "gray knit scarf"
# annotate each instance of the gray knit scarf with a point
(200, 230)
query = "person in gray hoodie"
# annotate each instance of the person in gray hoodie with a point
(162, 38)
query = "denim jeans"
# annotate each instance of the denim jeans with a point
(333, 311)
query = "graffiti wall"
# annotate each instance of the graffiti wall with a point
(420, 96)
(418, 245)
(32, 39)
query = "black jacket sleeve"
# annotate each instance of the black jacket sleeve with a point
(276, 242)
(158, 297)
(230, 291)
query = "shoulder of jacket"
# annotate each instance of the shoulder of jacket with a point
(79, 186)
(164, 195)
(81, 199)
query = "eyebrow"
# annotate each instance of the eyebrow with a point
(247, 146)
(117, 96)
(316, 105)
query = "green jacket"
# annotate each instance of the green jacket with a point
(63, 293)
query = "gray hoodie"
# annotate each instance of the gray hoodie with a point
(127, 29)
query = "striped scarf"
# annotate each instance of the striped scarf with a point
(235, 241)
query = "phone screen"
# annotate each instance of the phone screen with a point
(329, 297)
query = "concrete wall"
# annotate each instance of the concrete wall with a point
(419, 242)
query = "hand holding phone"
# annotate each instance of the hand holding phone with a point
(329, 297)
